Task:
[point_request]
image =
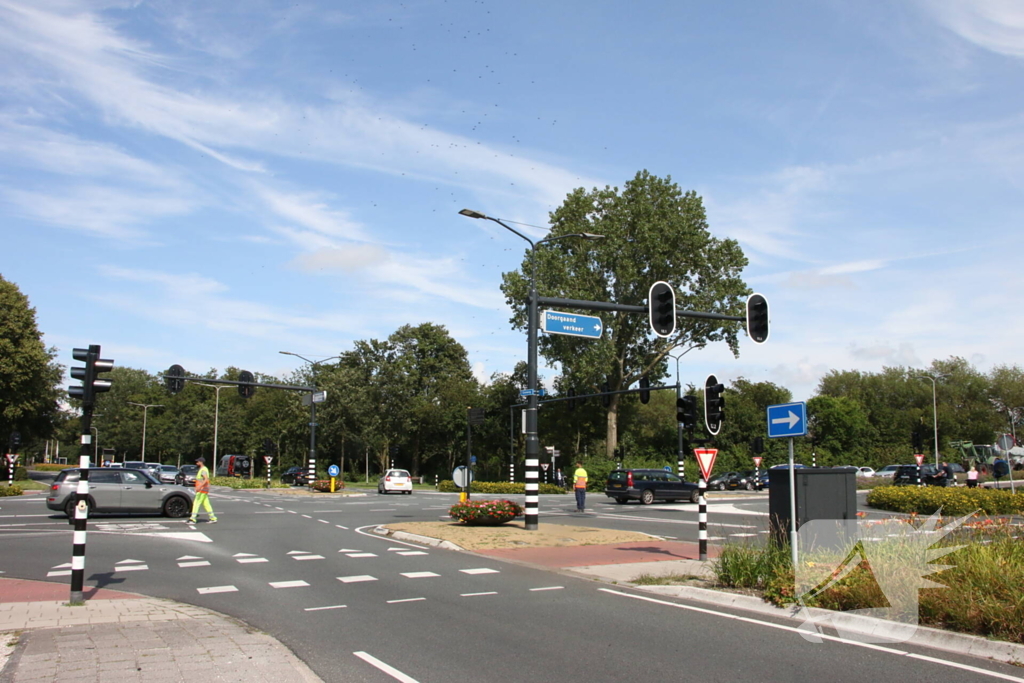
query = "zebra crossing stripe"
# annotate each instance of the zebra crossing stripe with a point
(217, 589)
(288, 584)
(482, 570)
(194, 563)
(360, 555)
(307, 557)
(419, 575)
(356, 579)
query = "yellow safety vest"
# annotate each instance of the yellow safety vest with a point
(203, 480)
(581, 478)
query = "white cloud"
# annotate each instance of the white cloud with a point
(345, 259)
(995, 25)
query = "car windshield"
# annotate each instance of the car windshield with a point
(189, 469)
(399, 473)
(168, 468)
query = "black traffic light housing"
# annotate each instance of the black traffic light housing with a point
(686, 411)
(661, 308)
(13, 442)
(606, 398)
(247, 386)
(714, 404)
(92, 384)
(174, 379)
(757, 445)
(571, 393)
(757, 318)
(645, 390)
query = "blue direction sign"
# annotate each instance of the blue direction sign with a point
(787, 419)
(333, 471)
(572, 324)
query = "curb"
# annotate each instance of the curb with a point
(416, 538)
(881, 629)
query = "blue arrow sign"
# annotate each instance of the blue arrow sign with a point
(333, 471)
(531, 392)
(787, 419)
(572, 324)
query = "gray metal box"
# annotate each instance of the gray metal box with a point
(821, 493)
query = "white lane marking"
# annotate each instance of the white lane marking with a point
(130, 562)
(317, 609)
(360, 555)
(407, 553)
(323, 521)
(393, 602)
(473, 595)
(240, 555)
(277, 508)
(59, 572)
(393, 548)
(62, 566)
(379, 538)
(549, 588)
(293, 512)
(269, 512)
(217, 589)
(307, 516)
(350, 550)
(383, 510)
(742, 535)
(389, 670)
(307, 557)
(299, 552)
(419, 575)
(132, 568)
(188, 557)
(356, 579)
(341, 527)
(194, 563)
(251, 560)
(481, 570)
(288, 584)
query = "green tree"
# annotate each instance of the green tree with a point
(30, 377)
(841, 430)
(652, 231)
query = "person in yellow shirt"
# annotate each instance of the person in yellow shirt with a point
(579, 485)
(202, 493)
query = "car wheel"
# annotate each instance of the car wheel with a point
(647, 497)
(176, 507)
(622, 501)
(408, 493)
(695, 496)
(69, 507)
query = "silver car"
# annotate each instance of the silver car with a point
(168, 474)
(119, 490)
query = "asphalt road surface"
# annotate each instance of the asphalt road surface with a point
(360, 607)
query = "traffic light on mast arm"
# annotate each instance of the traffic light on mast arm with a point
(686, 411)
(91, 383)
(645, 390)
(661, 308)
(714, 404)
(757, 318)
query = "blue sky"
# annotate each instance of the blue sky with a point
(209, 183)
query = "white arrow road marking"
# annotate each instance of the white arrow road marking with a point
(188, 557)
(792, 419)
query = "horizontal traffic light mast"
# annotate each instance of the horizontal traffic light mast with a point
(171, 380)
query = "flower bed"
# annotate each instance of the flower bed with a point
(485, 512)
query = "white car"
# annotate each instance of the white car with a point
(395, 480)
(865, 472)
(887, 471)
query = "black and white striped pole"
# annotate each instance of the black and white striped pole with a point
(91, 385)
(706, 463)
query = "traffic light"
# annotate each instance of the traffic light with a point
(91, 383)
(757, 445)
(714, 404)
(14, 441)
(174, 379)
(571, 393)
(661, 308)
(645, 390)
(269, 447)
(606, 398)
(686, 411)
(247, 386)
(757, 318)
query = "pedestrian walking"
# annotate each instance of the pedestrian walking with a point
(559, 478)
(202, 492)
(580, 486)
(972, 477)
(949, 474)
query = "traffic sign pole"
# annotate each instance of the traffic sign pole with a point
(792, 510)
(706, 463)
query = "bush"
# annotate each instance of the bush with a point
(51, 467)
(10, 491)
(498, 487)
(20, 473)
(239, 483)
(952, 501)
(474, 512)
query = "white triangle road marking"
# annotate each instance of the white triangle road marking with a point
(188, 557)
(243, 555)
(131, 562)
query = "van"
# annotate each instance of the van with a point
(234, 466)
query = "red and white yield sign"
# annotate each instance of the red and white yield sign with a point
(706, 460)
(919, 457)
(268, 458)
(757, 460)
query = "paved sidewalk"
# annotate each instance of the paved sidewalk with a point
(128, 637)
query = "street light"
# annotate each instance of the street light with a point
(532, 442)
(216, 414)
(935, 415)
(145, 411)
(312, 413)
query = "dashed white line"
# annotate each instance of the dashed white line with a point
(317, 609)
(360, 555)
(288, 584)
(548, 588)
(132, 568)
(419, 575)
(307, 516)
(307, 557)
(392, 602)
(473, 595)
(407, 553)
(323, 521)
(194, 563)
(341, 527)
(252, 560)
(356, 579)
(217, 589)
(481, 570)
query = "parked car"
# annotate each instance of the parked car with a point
(154, 469)
(395, 480)
(720, 482)
(168, 474)
(234, 466)
(887, 471)
(748, 480)
(907, 476)
(119, 490)
(187, 475)
(296, 476)
(134, 465)
(649, 485)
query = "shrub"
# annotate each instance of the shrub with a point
(10, 491)
(952, 501)
(239, 483)
(20, 473)
(474, 512)
(498, 487)
(51, 467)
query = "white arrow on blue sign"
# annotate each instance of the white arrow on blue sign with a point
(787, 419)
(572, 324)
(333, 471)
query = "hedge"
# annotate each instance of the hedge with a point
(239, 483)
(51, 467)
(952, 501)
(10, 491)
(20, 473)
(506, 487)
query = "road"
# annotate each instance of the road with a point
(309, 572)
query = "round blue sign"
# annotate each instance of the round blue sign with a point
(333, 470)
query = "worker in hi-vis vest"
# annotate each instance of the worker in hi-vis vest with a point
(202, 492)
(580, 486)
